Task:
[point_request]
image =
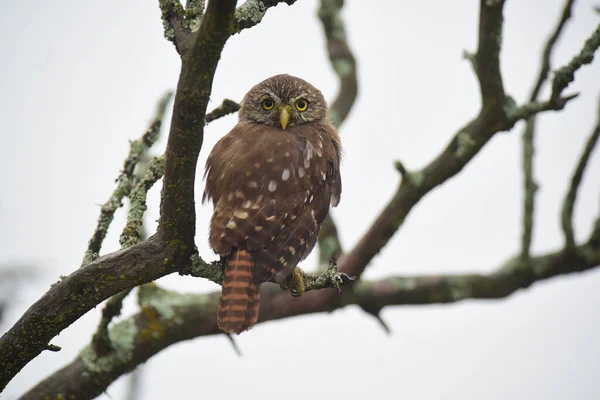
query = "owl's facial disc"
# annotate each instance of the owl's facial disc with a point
(284, 115)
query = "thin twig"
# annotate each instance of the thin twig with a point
(227, 107)
(530, 186)
(569, 201)
(101, 341)
(565, 75)
(330, 278)
(125, 180)
(132, 232)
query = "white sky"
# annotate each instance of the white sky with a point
(80, 79)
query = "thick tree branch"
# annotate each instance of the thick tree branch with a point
(569, 201)
(252, 12)
(168, 317)
(487, 58)
(529, 184)
(125, 180)
(160, 255)
(178, 219)
(514, 275)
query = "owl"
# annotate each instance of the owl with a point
(271, 180)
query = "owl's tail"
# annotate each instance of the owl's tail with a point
(238, 306)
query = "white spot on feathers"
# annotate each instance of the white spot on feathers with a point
(285, 175)
(231, 225)
(273, 185)
(240, 214)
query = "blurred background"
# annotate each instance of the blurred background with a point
(80, 79)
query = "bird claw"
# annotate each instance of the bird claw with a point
(294, 283)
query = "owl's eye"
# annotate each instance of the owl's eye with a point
(301, 105)
(268, 104)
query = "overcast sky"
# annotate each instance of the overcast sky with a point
(79, 79)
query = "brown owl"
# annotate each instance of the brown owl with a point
(271, 180)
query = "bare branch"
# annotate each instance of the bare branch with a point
(487, 58)
(341, 58)
(549, 48)
(498, 113)
(530, 186)
(569, 201)
(227, 107)
(132, 232)
(252, 12)
(330, 278)
(344, 64)
(565, 75)
(101, 341)
(329, 243)
(125, 180)
(160, 255)
(462, 148)
(168, 317)
(194, 11)
(176, 28)
(178, 218)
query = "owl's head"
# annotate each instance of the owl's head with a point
(283, 101)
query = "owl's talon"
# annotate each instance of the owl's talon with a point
(295, 282)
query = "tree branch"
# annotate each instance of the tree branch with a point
(565, 75)
(226, 107)
(341, 58)
(569, 201)
(125, 180)
(131, 235)
(168, 317)
(176, 28)
(462, 148)
(178, 218)
(487, 58)
(498, 113)
(158, 256)
(252, 12)
(530, 186)
(344, 64)
(135, 218)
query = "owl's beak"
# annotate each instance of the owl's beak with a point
(284, 116)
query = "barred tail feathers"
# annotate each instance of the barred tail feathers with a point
(238, 305)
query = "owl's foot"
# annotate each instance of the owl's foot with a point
(295, 282)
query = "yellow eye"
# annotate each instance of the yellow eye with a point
(301, 105)
(268, 104)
